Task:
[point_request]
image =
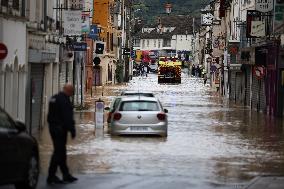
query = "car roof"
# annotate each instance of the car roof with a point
(139, 98)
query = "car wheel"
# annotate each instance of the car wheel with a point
(32, 174)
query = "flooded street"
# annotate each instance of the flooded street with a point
(210, 141)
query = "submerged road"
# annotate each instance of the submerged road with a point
(211, 143)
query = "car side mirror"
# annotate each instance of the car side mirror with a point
(166, 111)
(107, 108)
(20, 126)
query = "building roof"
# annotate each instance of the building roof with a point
(182, 26)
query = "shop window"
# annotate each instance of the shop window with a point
(167, 43)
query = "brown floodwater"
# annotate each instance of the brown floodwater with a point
(210, 139)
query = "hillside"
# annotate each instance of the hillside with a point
(148, 10)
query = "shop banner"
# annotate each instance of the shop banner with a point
(72, 22)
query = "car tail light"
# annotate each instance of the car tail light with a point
(161, 116)
(117, 116)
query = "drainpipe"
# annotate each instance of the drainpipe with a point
(23, 13)
(45, 15)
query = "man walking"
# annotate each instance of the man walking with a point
(61, 121)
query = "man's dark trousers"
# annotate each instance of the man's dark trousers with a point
(59, 156)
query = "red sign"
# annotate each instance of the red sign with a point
(3, 51)
(259, 71)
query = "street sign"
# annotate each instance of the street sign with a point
(93, 32)
(264, 5)
(100, 47)
(126, 51)
(79, 46)
(259, 71)
(72, 22)
(133, 54)
(207, 19)
(3, 51)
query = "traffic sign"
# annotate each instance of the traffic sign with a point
(93, 32)
(3, 51)
(79, 46)
(259, 72)
(126, 51)
(264, 5)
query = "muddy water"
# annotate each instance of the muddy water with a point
(210, 139)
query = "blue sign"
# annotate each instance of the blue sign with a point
(79, 46)
(93, 32)
(133, 53)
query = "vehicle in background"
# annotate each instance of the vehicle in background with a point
(153, 67)
(139, 115)
(137, 93)
(19, 159)
(169, 71)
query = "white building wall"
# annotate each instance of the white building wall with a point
(183, 43)
(13, 68)
(153, 44)
(178, 42)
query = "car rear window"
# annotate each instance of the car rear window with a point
(139, 106)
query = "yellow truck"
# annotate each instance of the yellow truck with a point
(169, 71)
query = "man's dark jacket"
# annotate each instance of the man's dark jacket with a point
(60, 114)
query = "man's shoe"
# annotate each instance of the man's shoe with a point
(54, 180)
(69, 178)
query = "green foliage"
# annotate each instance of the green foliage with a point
(119, 73)
(150, 9)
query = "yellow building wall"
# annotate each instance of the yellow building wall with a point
(102, 17)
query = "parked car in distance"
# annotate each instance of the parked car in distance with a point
(19, 155)
(153, 67)
(139, 115)
(137, 93)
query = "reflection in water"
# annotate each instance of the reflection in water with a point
(210, 139)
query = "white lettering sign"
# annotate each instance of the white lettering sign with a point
(72, 22)
(264, 5)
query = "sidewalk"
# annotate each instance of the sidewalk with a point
(267, 182)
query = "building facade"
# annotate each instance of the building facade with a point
(249, 64)
(172, 36)
(14, 68)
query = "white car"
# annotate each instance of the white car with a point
(139, 115)
(153, 67)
